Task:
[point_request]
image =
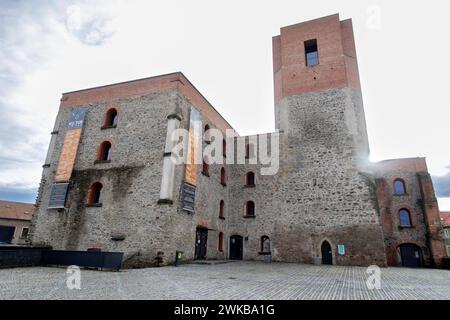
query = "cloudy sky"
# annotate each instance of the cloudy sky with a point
(224, 47)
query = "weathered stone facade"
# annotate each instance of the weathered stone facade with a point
(325, 191)
(425, 230)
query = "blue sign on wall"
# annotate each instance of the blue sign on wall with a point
(188, 197)
(58, 195)
(76, 118)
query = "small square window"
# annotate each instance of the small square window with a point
(24, 233)
(311, 52)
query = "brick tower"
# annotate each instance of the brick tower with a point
(319, 56)
(319, 112)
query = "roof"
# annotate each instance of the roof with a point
(16, 210)
(445, 219)
(134, 88)
(412, 165)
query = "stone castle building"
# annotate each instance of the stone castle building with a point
(109, 182)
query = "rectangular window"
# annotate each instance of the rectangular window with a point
(311, 53)
(7, 234)
(24, 233)
(58, 195)
(446, 233)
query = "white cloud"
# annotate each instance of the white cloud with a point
(89, 24)
(49, 47)
(33, 38)
(444, 204)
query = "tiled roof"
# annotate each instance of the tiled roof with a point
(16, 210)
(445, 219)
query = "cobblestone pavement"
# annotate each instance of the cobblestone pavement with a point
(237, 280)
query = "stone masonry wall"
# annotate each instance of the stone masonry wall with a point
(324, 190)
(131, 183)
(320, 192)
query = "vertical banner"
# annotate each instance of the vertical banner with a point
(195, 131)
(67, 157)
(70, 145)
(194, 154)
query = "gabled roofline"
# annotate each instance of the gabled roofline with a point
(128, 81)
(178, 73)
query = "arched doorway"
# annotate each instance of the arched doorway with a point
(201, 239)
(410, 255)
(327, 254)
(265, 245)
(236, 244)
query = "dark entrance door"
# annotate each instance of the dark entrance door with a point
(327, 255)
(6, 234)
(236, 245)
(410, 254)
(200, 244)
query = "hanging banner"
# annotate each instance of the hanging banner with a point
(194, 154)
(70, 145)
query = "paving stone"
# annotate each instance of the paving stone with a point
(233, 281)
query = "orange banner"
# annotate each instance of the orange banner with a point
(192, 161)
(68, 155)
(70, 146)
(194, 154)
(191, 167)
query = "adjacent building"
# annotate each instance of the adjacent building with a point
(15, 221)
(445, 219)
(109, 181)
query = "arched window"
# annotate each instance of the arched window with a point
(111, 118)
(207, 134)
(224, 147)
(250, 209)
(265, 244)
(250, 179)
(405, 218)
(220, 245)
(205, 168)
(223, 177)
(222, 209)
(95, 194)
(399, 187)
(104, 152)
